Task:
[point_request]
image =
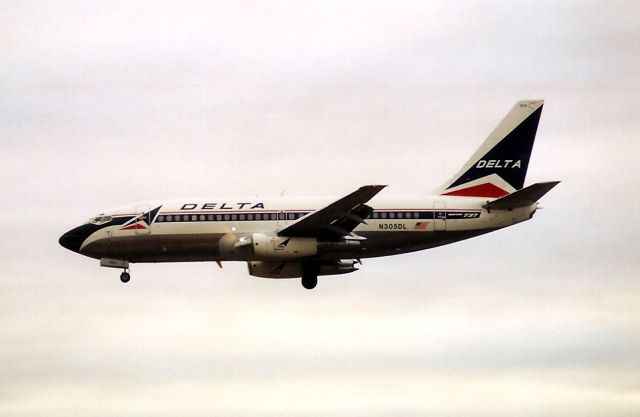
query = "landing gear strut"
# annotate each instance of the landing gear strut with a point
(125, 277)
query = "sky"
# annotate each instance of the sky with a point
(108, 103)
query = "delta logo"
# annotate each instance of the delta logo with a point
(283, 244)
(141, 221)
(137, 223)
(135, 226)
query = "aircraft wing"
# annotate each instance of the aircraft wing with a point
(336, 220)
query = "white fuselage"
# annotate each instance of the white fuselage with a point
(209, 229)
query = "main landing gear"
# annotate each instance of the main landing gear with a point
(310, 276)
(125, 276)
(309, 282)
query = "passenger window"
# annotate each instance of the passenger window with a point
(392, 215)
(250, 216)
(218, 217)
(376, 215)
(416, 215)
(210, 217)
(383, 215)
(202, 217)
(241, 217)
(226, 217)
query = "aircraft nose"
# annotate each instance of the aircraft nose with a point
(73, 239)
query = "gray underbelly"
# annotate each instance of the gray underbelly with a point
(384, 243)
(205, 247)
(157, 248)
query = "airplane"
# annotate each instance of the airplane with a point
(287, 237)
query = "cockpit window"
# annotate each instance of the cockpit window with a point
(100, 220)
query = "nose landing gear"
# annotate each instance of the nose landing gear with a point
(125, 276)
(117, 263)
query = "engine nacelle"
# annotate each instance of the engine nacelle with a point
(293, 269)
(276, 247)
(266, 269)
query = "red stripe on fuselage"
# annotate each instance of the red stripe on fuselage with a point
(482, 190)
(134, 227)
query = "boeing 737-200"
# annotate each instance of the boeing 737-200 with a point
(306, 237)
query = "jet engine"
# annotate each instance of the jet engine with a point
(270, 247)
(293, 269)
(277, 247)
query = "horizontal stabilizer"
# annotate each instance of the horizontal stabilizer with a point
(522, 198)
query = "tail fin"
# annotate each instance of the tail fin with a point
(500, 165)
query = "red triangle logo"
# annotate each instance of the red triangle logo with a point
(482, 190)
(133, 227)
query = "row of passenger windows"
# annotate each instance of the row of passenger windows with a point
(275, 216)
(396, 215)
(228, 217)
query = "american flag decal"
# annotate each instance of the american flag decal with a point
(421, 225)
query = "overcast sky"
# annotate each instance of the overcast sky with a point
(108, 103)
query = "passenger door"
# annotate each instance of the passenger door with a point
(439, 216)
(144, 223)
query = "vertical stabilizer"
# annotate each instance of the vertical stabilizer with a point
(500, 165)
